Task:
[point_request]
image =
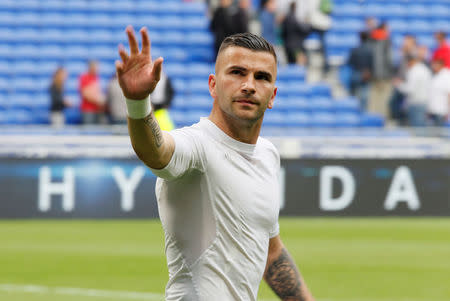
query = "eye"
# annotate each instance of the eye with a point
(262, 77)
(236, 71)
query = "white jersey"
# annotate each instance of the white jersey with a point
(218, 201)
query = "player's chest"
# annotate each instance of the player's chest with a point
(247, 184)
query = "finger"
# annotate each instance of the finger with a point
(146, 46)
(157, 66)
(134, 47)
(119, 68)
(123, 54)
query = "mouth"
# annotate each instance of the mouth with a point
(245, 101)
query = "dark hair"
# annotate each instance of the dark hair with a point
(249, 41)
(441, 34)
(363, 36)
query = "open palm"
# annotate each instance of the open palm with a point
(137, 74)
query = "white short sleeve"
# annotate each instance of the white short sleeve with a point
(188, 154)
(275, 230)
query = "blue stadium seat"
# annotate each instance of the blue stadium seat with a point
(195, 9)
(371, 120)
(200, 102)
(274, 118)
(175, 54)
(323, 120)
(291, 73)
(350, 9)
(197, 87)
(322, 104)
(26, 68)
(348, 119)
(6, 68)
(297, 119)
(201, 54)
(196, 24)
(350, 104)
(73, 115)
(199, 39)
(53, 52)
(321, 89)
(299, 90)
(200, 71)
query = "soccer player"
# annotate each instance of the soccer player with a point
(218, 186)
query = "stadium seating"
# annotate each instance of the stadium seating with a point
(39, 35)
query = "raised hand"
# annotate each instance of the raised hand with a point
(137, 74)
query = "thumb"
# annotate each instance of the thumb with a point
(157, 66)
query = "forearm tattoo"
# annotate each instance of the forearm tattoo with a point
(150, 120)
(283, 277)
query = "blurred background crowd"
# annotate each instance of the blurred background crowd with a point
(343, 63)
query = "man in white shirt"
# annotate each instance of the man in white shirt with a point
(439, 101)
(416, 88)
(218, 185)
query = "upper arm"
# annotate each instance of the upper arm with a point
(184, 152)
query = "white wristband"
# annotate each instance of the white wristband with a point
(138, 109)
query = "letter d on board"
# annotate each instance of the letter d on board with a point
(327, 174)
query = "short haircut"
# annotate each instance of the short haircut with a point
(441, 34)
(249, 41)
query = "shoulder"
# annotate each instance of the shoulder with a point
(269, 149)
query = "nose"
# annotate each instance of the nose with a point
(248, 86)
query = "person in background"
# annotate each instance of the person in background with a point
(294, 33)
(361, 63)
(319, 12)
(267, 18)
(439, 95)
(397, 106)
(115, 102)
(415, 87)
(381, 86)
(371, 25)
(423, 54)
(443, 50)
(92, 98)
(241, 17)
(58, 102)
(222, 23)
(161, 99)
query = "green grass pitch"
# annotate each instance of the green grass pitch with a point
(354, 259)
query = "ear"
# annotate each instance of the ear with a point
(270, 103)
(212, 85)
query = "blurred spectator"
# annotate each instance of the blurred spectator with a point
(58, 102)
(241, 17)
(443, 50)
(161, 99)
(115, 102)
(423, 54)
(361, 63)
(371, 25)
(319, 17)
(294, 33)
(439, 96)
(92, 97)
(222, 23)
(382, 52)
(397, 100)
(268, 21)
(415, 87)
(381, 88)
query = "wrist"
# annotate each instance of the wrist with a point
(138, 109)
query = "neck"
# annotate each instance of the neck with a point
(241, 130)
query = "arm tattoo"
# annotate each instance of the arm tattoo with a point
(283, 277)
(150, 120)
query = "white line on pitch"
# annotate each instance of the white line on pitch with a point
(39, 289)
